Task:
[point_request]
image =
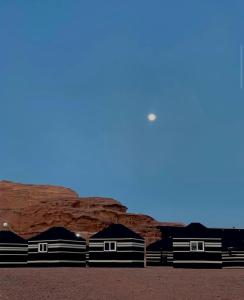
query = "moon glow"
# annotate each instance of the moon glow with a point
(151, 117)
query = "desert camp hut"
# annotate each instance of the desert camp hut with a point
(116, 246)
(197, 246)
(57, 246)
(160, 253)
(13, 249)
(233, 248)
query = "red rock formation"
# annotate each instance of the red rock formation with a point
(30, 209)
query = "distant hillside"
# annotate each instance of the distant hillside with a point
(30, 209)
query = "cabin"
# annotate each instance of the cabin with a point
(57, 246)
(13, 249)
(197, 246)
(160, 253)
(116, 246)
(233, 248)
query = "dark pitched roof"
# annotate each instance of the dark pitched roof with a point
(196, 226)
(229, 235)
(163, 244)
(11, 237)
(168, 231)
(233, 238)
(117, 231)
(57, 233)
(197, 230)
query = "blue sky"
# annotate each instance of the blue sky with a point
(78, 79)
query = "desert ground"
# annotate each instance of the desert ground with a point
(121, 284)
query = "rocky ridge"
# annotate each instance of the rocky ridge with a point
(30, 209)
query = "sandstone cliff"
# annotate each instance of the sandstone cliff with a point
(30, 209)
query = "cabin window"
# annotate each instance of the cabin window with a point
(197, 246)
(110, 246)
(42, 247)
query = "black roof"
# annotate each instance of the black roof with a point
(233, 238)
(229, 235)
(233, 243)
(163, 244)
(194, 230)
(11, 237)
(168, 231)
(116, 231)
(195, 226)
(57, 233)
(233, 232)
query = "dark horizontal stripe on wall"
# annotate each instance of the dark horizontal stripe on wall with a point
(198, 265)
(116, 265)
(116, 255)
(4, 252)
(13, 264)
(235, 249)
(57, 256)
(13, 258)
(187, 249)
(56, 264)
(155, 264)
(117, 251)
(159, 263)
(233, 264)
(13, 245)
(197, 256)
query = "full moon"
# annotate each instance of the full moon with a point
(152, 117)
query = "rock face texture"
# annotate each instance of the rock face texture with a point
(31, 209)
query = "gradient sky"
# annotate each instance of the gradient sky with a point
(78, 79)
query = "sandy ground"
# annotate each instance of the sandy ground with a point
(121, 284)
